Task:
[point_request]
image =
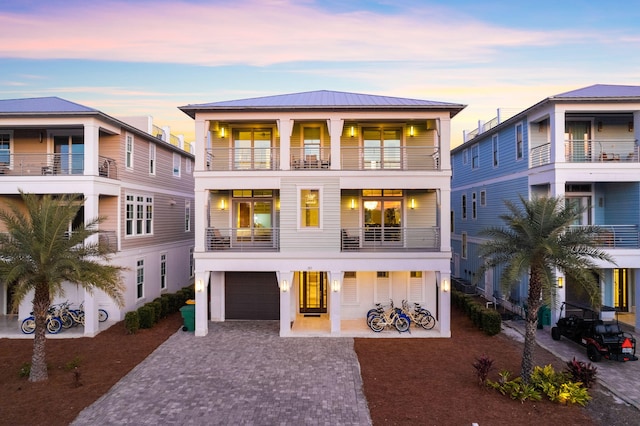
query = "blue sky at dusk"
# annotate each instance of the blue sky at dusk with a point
(149, 57)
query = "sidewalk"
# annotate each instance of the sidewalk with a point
(620, 378)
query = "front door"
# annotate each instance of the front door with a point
(578, 137)
(620, 289)
(313, 292)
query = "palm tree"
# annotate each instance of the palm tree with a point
(37, 253)
(538, 239)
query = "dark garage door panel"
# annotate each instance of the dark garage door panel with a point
(252, 296)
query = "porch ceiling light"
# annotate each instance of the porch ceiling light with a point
(411, 131)
(352, 131)
(560, 282)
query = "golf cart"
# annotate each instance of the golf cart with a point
(583, 325)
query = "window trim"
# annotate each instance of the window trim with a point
(140, 278)
(11, 146)
(132, 215)
(495, 150)
(163, 271)
(483, 198)
(474, 206)
(463, 203)
(152, 159)
(519, 131)
(465, 156)
(463, 245)
(299, 208)
(176, 172)
(129, 144)
(187, 216)
(475, 156)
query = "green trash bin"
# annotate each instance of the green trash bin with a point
(188, 313)
(544, 316)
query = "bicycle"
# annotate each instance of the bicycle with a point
(54, 325)
(420, 316)
(379, 319)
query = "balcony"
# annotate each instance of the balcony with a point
(242, 239)
(53, 165)
(618, 237)
(589, 151)
(229, 159)
(390, 158)
(390, 239)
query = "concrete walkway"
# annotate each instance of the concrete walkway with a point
(620, 378)
(241, 373)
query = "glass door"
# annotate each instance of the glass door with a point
(578, 137)
(253, 221)
(620, 290)
(69, 155)
(383, 221)
(313, 292)
(252, 149)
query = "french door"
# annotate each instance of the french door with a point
(383, 221)
(313, 292)
(253, 221)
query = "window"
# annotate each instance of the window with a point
(349, 274)
(453, 221)
(474, 209)
(382, 274)
(464, 206)
(163, 271)
(475, 156)
(176, 164)
(416, 274)
(138, 215)
(494, 141)
(187, 216)
(252, 149)
(5, 149)
(483, 198)
(312, 144)
(464, 245)
(382, 148)
(129, 151)
(192, 263)
(152, 159)
(187, 163)
(465, 156)
(519, 141)
(310, 208)
(140, 278)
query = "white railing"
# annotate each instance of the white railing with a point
(53, 165)
(370, 238)
(390, 158)
(599, 151)
(540, 155)
(242, 239)
(226, 159)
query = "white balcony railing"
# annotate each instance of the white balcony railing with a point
(53, 165)
(390, 239)
(242, 239)
(599, 151)
(618, 236)
(228, 159)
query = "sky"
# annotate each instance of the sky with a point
(148, 57)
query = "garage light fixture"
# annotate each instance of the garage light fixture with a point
(445, 285)
(284, 286)
(560, 282)
(335, 286)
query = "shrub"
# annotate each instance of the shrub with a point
(131, 322)
(483, 365)
(157, 310)
(190, 291)
(516, 388)
(491, 322)
(582, 372)
(73, 364)
(146, 315)
(25, 370)
(164, 301)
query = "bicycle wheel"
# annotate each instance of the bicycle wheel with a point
(402, 324)
(377, 324)
(427, 322)
(102, 315)
(67, 320)
(28, 326)
(54, 325)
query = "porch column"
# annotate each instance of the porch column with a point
(556, 121)
(91, 138)
(335, 301)
(335, 131)
(636, 291)
(91, 211)
(444, 293)
(285, 127)
(202, 285)
(444, 143)
(636, 126)
(444, 207)
(217, 295)
(200, 144)
(285, 282)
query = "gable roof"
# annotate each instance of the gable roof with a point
(45, 105)
(322, 100)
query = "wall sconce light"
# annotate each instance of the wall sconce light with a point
(411, 131)
(223, 204)
(631, 126)
(172, 202)
(335, 286)
(199, 286)
(560, 282)
(41, 137)
(222, 132)
(284, 286)
(352, 132)
(599, 126)
(445, 285)
(353, 204)
(413, 203)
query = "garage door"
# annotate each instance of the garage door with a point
(252, 296)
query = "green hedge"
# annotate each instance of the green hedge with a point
(146, 314)
(150, 313)
(131, 322)
(488, 320)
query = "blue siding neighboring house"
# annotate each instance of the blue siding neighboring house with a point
(582, 145)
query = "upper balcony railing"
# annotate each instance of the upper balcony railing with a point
(618, 236)
(242, 239)
(351, 158)
(53, 165)
(589, 151)
(390, 239)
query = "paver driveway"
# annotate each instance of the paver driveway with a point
(241, 373)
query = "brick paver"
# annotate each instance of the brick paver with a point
(241, 373)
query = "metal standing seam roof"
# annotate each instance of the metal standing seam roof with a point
(44, 105)
(601, 91)
(323, 99)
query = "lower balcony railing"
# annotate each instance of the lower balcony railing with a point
(599, 151)
(53, 165)
(242, 239)
(372, 238)
(618, 236)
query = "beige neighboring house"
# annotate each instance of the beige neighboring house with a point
(311, 207)
(137, 175)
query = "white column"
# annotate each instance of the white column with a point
(636, 125)
(444, 208)
(201, 284)
(91, 211)
(201, 204)
(556, 121)
(217, 295)
(444, 132)
(200, 145)
(285, 127)
(91, 151)
(335, 301)
(285, 282)
(444, 293)
(335, 130)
